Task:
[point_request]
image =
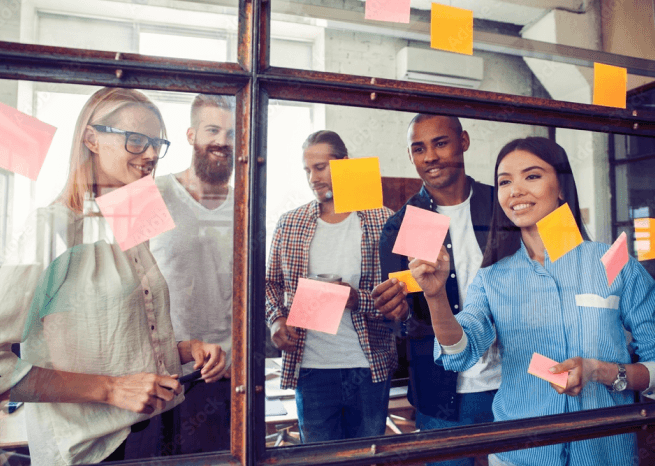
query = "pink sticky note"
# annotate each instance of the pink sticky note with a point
(136, 212)
(615, 258)
(539, 366)
(318, 305)
(24, 142)
(421, 234)
(396, 11)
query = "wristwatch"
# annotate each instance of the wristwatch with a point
(621, 381)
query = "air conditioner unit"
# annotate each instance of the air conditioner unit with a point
(436, 67)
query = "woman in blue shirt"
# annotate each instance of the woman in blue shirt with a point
(564, 310)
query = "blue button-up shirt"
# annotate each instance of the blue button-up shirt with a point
(561, 310)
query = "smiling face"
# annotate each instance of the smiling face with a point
(437, 151)
(115, 166)
(316, 163)
(213, 145)
(528, 188)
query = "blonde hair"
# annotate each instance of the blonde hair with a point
(101, 109)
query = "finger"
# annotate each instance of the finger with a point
(293, 334)
(563, 366)
(557, 388)
(159, 404)
(418, 263)
(163, 393)
(394, 305)
(199, 357)
(400, 313)
(423, 269)
(383, 287)
(170, 383)
(443, 254)
(214, 355)
(215, 369)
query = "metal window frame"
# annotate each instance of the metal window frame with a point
(254, 82)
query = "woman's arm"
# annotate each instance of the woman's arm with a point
(432, 277)
(141, 393)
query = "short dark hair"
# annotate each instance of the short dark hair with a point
(226, 102)
(505, 237)
(331, 138)
(454, 121)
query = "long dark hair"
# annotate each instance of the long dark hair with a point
(505, 237)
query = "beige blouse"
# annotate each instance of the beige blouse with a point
(77, 303)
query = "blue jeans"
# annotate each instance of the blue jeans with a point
(474, 408)
(336, 404)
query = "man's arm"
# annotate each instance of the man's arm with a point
(390, 296)
(275, 307)
(283, 337)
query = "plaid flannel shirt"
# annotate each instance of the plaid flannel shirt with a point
(289, 261)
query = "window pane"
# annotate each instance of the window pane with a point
(194, 30)
(124, 293)
(348, 43)
(543, 318)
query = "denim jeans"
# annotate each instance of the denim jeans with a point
(474, 408)
(336, 404)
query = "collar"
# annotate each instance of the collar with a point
(315, 210)
(428, 202)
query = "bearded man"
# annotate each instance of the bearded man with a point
(196, 260)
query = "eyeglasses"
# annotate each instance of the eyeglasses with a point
(137, 143)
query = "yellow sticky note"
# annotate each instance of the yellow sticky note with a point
(610, 85)
(645, 238)
(356, 184)
(451, 29)
(406, 277)
(559, 232)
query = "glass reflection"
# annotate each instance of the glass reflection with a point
(120, 369)
(190, 30)
(442, 164)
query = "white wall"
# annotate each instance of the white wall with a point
(383, 134)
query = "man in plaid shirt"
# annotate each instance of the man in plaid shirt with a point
(342, 381)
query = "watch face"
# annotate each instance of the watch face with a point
(620, 385)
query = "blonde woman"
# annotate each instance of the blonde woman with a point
(98, 353)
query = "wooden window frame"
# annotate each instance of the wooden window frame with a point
(254, 82)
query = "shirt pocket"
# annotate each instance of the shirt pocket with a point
(601, 328)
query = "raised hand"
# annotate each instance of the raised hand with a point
(389, 297)
(431, 276)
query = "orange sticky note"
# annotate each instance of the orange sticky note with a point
(451, 29)
(645, 236)
(610, 85)
(559, 232)
(421, 234)
(396, 11)
(24, 142)
(539, 366)
(136, 212)
(406, 277)
(318, 305)
(356, 184)
(615, 258)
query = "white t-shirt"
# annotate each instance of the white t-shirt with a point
(336, 249)
(486, 373)
(196, 259)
